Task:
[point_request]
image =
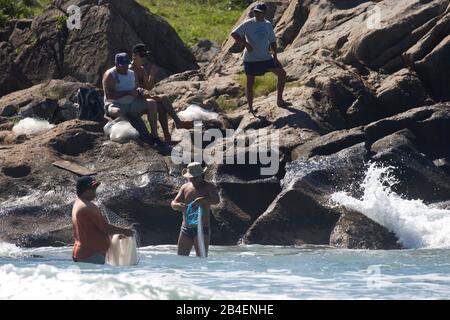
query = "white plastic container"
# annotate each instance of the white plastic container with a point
(122, 252)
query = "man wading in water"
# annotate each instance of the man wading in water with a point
(91, 231)
(148, 82)
(198, 193)
(257, 35)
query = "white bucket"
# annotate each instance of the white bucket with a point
(122, 252)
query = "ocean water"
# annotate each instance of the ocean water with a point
(422, 271)
(238, 272)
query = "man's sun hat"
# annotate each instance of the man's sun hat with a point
(260, 7)
(86, 183)
(122, 60)
(193, 170)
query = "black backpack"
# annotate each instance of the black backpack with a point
(90, 105)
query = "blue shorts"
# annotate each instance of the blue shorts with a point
(259, 68)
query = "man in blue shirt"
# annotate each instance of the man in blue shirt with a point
(257, 36)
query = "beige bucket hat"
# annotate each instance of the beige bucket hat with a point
(193, 170)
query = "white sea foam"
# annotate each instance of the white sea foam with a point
(196, 113)
(9, 251)
(49, 282)
(271, 273)
(416, 224)
(31, 127)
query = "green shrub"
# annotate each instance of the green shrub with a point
(263, 85)
(197, 19)
(61, 21)
(13, 9)
(227, 103)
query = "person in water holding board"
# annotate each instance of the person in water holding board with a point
(91, 231)
(196, 193)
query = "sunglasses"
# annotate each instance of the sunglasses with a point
(141, 54)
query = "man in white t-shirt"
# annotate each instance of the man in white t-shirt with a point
(257, 36)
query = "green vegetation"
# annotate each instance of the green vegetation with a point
(37, 9)
(34, 39)
(227, 103)
(192, 19)
(196, 19)
(61, 21)
(14, 9)
(263, 85)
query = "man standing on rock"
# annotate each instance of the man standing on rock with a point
(91, 231)
(124, 98)
(148, 82)
(257, 36)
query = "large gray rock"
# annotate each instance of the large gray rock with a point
(355, 231)
(48, 50)
(49, 100)
(301, 213)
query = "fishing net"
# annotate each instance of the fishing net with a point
(115, 220)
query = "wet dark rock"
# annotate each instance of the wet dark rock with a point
(17, 171)
(73, 143)
(355, 231)
(301, 213)
(42, 109)
(8, 111)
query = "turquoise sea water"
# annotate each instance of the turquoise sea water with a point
(237, 272)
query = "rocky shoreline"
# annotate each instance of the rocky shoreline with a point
(359, 95)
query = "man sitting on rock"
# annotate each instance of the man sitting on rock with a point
(148, 82)
(257, 35)
(124, 98)
(198, 193)
(91, 231)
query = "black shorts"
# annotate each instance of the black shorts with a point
(191, 231)
(259, 68)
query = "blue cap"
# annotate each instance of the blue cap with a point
(260, 7)
(122, 60)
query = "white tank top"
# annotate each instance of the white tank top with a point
(123, 82)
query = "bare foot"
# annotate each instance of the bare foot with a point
(282, 104)
(171, 142)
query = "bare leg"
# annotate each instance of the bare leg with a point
(165, 103)
(184, 245)
(197, 249)
(281, 74)
(152, 117)
(164, 121)
(249, 92)
(115, 112)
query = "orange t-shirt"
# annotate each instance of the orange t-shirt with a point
(89, 233)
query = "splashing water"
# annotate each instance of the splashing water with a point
(416, 224)
(9, 251)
